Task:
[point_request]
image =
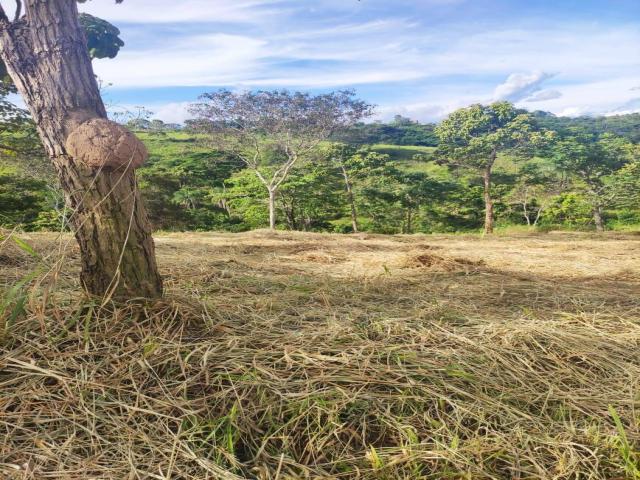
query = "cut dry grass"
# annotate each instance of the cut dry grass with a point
(286, 356)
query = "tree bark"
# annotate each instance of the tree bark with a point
(272, 209)
(351, 198)
(538, 215)
(488, 201)
(289, 213)
(525, 206)
(409, 221)
(47, 57)
(598, 218)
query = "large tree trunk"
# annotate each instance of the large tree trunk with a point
(272, 209)
(47, 58)
(352, 200)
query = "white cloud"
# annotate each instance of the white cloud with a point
(377, 51)
(176, 112)
(335, 44)
(424, 112)
(171, 112)
(632, 106)
(16, 100)
(543, 95)
(198, 60)
(520, 86)
(590, 98)
(432, 105)
(572, 112)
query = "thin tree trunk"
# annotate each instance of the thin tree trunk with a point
(409, 221)
(352, 201)
(290, 214)
(272, 209)
(598, 218)
(538, 215)
(525, 206)
(47, 58)
(488, 201)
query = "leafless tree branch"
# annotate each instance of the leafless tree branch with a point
(18, 10)
(3, 16)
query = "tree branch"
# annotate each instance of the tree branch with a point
(18, 10)
(3, 16)
(9, 148)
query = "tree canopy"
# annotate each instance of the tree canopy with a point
(272, 131)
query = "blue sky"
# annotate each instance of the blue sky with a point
(419, 58)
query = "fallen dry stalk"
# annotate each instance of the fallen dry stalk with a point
(313, 356)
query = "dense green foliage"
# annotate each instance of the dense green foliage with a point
(627, 126)
(401, 131)
(520, 168)
(189, 185)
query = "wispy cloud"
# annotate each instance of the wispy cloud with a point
(404, 55)
(543, 95)
(631, 106)
(185, 11)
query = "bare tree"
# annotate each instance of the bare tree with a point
(271, 131)
(46, 55)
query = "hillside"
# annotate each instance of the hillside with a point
(292, 355)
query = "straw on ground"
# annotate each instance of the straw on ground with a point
(297, 355)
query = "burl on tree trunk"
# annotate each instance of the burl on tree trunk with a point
(46, 56)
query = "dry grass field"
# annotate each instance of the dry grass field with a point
(313, 356)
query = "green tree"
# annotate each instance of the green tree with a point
(592, 160)
(272, 131)
(355, 165)
(626, 184)
(183, 183)
(22, 198)
(473, 137)
(536, 185)
(312, 198)
(388, 195)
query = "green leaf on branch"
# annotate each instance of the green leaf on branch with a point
(103, 38)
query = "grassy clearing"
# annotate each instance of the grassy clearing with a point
(402, 152)
(404, 155)
(290, 355)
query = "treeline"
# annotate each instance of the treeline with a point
(396, 177)
(626, 126)
(400, 131)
